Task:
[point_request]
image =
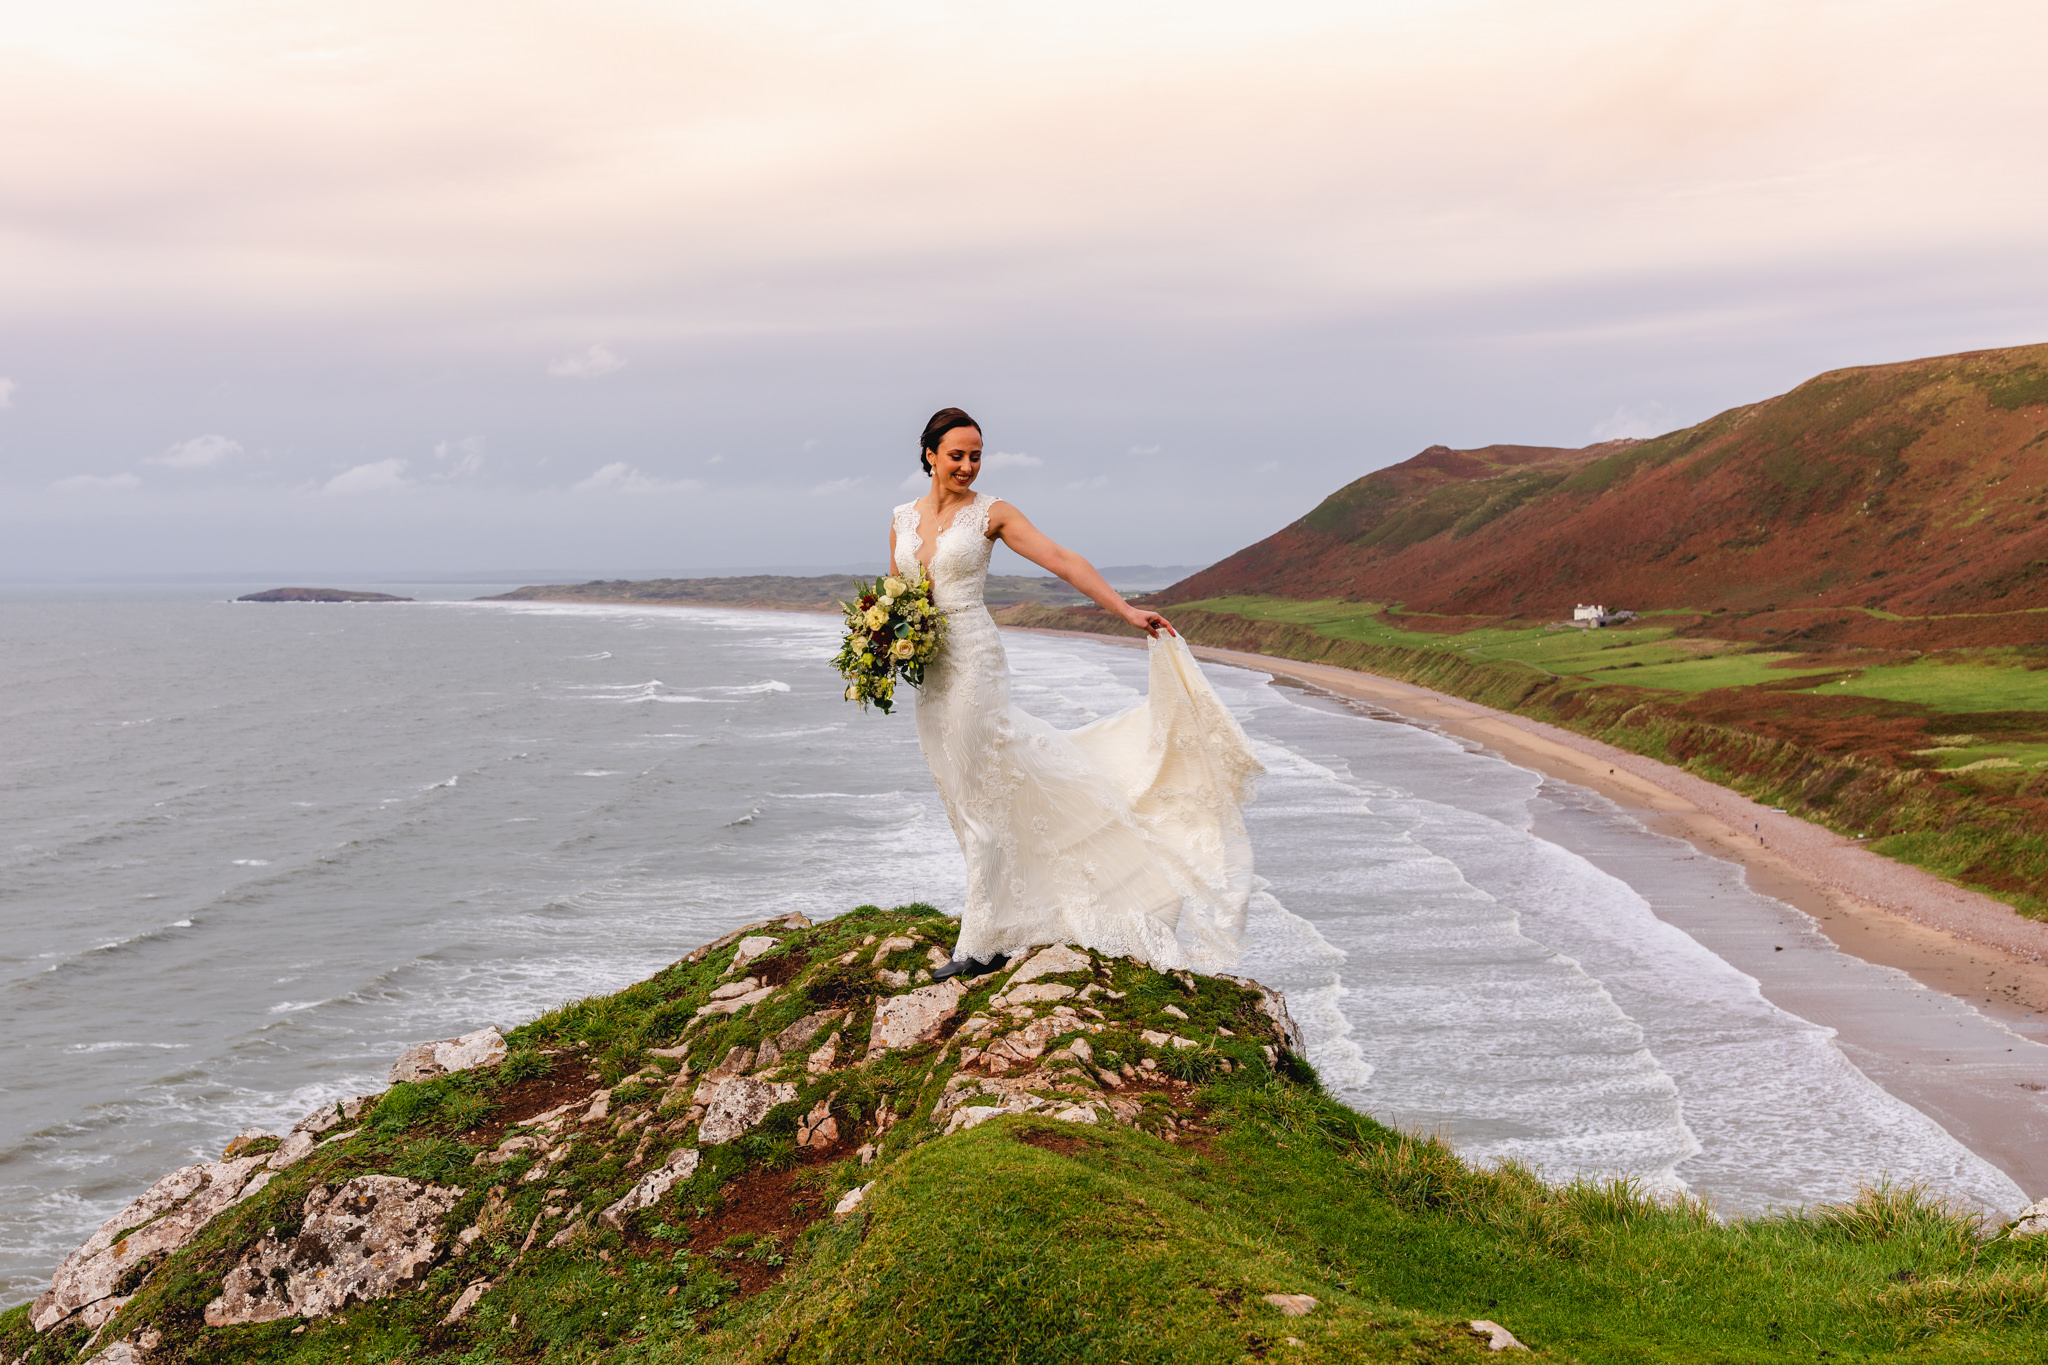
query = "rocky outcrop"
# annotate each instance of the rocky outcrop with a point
(94, 1280)
(425, 1061)
(374, 1236)
(915, 1018)
(2032, 1222)
(821, 1029)
(680, 1166)
(739, 1105)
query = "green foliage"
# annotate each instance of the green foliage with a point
(2021, 388)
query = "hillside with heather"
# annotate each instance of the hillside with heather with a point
(1915, 489)
(1841, 598)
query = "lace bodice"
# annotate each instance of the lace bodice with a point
(960, 563)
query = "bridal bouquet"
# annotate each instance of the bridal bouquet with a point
(892, 631)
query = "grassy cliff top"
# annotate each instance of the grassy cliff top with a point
(1102, 1162)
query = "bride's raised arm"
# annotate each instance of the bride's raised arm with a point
(1014, 529)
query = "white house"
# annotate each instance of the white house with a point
(1584, 613)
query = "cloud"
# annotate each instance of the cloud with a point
(1004, 459)
(1144, 450)
(620, 477)
(716, 459)
(6, 393)
(379, 476)
(914, 482)
(588, 364)
(834, 487)
(197, 452)
(96, 483)
(1083, 485)
(1650, 419)
(466, 456)
(1269, 467)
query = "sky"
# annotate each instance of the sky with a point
(627, 287)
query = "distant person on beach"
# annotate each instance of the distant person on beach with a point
(1125, 835)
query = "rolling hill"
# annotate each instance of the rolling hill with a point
(1914, 489)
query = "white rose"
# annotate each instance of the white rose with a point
(893, 586)
(853, 693)
(903, 649)
(885, 602)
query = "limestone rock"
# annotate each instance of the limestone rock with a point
(468, 1300)
(128, 1352)
(805, 1029)
(2033, 1220)
(1292, 1305)
(888, 946)
(374, 1236)
(243, 1141)
(820, 1062)
(739, 1104)
(1033, 995)
(749, 949)
(1274, 1006)
(734, 1004)
(1153, 1038)
(733, 988)
(425, 1061)
(851, 1200)
(791, 921)
(818, 1131)
(296, 1148)
(1498, 1338)
(680, 1166)
(163, 1219)
(914, 1018)
(1053, 961)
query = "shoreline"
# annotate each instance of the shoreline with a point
(1955, 951)
(1960, 942)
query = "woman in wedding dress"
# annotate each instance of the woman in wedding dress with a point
(1125, 835)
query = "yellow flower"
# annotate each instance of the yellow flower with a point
(893, 586)
(877, 618)
(903, 649)
(853, 692)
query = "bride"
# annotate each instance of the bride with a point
(1124, 835)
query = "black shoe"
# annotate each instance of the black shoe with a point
(971, 967)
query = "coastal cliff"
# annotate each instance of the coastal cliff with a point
(792, 1146)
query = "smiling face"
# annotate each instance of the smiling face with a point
(957, 461)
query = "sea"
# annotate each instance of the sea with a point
(248, 852)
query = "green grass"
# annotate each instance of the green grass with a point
(1638, 656)
(1128, 1249)
(1030, 1240)
(1960, 689)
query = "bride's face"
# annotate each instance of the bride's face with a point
(957, 460)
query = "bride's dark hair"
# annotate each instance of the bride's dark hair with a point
(943, 421)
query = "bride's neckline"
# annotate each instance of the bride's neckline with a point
(917, 506)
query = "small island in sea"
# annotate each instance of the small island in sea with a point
(318, 595)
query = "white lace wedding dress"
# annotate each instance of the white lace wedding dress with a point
(1124, 835)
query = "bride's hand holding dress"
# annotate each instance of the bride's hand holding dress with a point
(1124, 835)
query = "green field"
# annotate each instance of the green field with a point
(1645, 655)
(1960, 688)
